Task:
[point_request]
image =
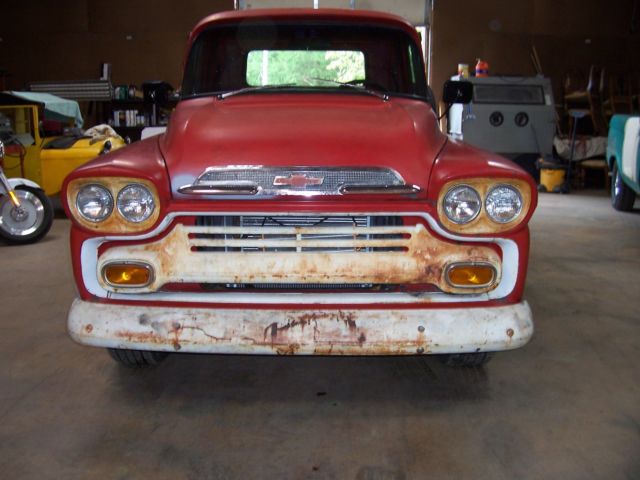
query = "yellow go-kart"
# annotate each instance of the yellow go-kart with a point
(26, 117)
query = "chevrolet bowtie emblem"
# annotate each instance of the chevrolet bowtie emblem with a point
(298, 180)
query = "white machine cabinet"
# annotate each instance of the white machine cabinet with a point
(512, 116)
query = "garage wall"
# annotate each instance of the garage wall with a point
(415, 11)
(53, 40)
(502, 32)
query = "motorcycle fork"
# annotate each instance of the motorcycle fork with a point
(10, 191)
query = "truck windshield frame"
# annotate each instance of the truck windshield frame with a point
(218, 61)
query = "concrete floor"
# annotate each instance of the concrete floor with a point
(566, 406)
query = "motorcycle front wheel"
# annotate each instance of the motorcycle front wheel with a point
(31, 221)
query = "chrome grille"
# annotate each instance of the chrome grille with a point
(304, 221)
(252, 180)
(280, 234)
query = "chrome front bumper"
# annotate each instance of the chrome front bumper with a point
(308, 332)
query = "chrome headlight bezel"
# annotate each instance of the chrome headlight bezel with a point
(519, 202)
(454, 190)
(107, 206)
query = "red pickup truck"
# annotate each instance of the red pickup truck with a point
(303, 200)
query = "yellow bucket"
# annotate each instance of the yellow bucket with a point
(551, 178)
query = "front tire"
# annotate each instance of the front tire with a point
(137, 358)
(30, 222)
(473, 360)
(622, 197)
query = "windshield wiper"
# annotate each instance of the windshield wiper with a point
(260, 88)
(382, 95)
(241, 91)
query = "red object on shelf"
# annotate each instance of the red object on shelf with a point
(482, 68)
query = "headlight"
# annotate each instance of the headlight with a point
(462, 204)
(503, 203)
(135, 203)
(94, 202)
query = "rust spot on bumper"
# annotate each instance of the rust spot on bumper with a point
(327, 333)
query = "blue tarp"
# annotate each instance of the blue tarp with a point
(55, 108)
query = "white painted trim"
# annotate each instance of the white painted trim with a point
(630, 149)
(510, 265)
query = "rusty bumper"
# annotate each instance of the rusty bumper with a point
(307, 332)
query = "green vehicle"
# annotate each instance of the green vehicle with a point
(623, 156)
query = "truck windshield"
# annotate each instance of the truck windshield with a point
(304, 56)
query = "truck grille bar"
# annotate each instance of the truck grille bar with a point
(283, 234)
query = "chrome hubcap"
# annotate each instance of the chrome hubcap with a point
(21, 221)
(19, 214)
(617, 185)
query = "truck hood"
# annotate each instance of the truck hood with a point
(302, 130)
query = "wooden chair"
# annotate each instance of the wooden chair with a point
(588, 101)
(617, 95)
(573, 81)
(593, 164)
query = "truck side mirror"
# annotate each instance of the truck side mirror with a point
(457, 92)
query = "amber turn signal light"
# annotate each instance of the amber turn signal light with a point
(469, 275)
(127, 274)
